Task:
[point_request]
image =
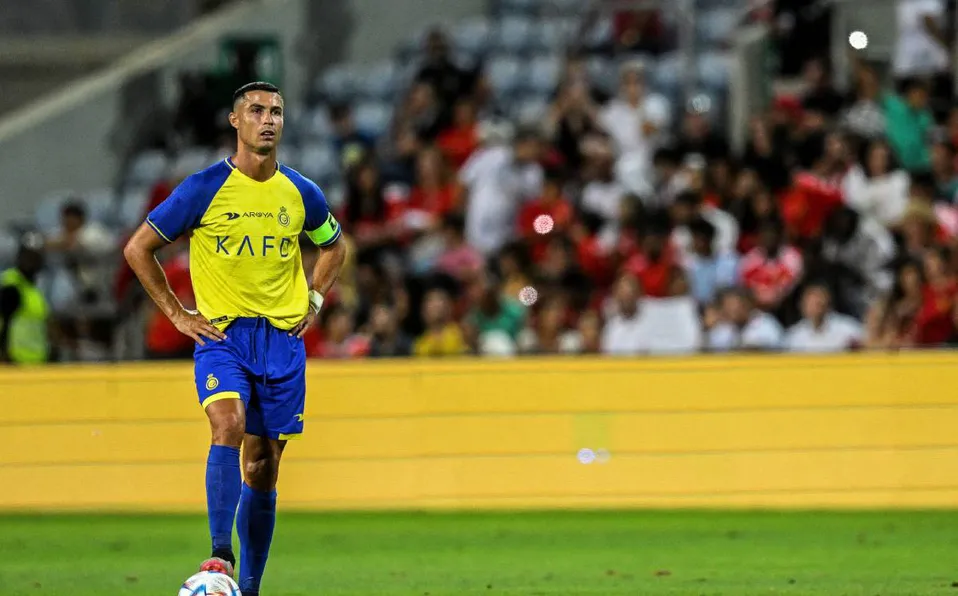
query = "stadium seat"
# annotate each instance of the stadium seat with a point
(552, 35)
(191, 160)
(518, 7)
(472, 36)
(378, 82)
(514, 34)
(318, 125)
(603, 73)
(133, 203)
(101, 205)
(289, 155)
(148, 167)
(542, 74)
(373, 117)
(318, 161)
(9, 242)
(713, 69)
(667, 74)
(505, 74)
(529, 110)
(565, 7)
(716, 26)
(336, 84)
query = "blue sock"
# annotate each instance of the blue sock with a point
(254, 524)
(223, 485)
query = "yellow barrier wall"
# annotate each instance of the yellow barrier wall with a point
(843, 431)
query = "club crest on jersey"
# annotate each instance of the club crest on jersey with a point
(283, 217)
(212, 382)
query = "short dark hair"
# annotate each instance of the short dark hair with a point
(702, 227)
(74, 208)
(254, 86)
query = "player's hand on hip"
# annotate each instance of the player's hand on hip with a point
(192, 324)
(300, 329)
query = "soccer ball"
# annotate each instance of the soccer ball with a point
(209, 583)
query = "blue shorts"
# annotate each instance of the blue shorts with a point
(261, 365)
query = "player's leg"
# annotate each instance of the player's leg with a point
(256, 518)
(224, 391)
(281, 400)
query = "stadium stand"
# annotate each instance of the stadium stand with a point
(562, 146)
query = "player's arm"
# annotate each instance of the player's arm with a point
(140, 253)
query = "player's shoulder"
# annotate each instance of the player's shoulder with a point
(306, 187)
(208, 180)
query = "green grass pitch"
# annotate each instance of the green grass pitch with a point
(414, 554)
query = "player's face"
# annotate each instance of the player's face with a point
(258, 120)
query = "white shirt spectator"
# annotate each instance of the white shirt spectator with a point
(603, 198)
(623, 122)
(917, 52)
(495, 191)
(837, 333)
(762, 332)
(659, 326)
(880, 198)
(726, 233)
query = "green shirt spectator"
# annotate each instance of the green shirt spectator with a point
(909, 122)
(509, 317)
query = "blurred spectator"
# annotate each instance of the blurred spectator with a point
(80, 249)
(822, 329)
(24, 312)
(860, 250)
(447, 80)
(943, 169)
(921, 48)
(909, 122)
(687, 207)
(442, 336)
(163, 340)
(638, 31)
(572, 117)
(865, 117)
(421, 111)
(554, 210)
(698, 137)
(497, 178)
(622, 334)
(548, 332)
(772, 269)
(513, 266)
(709, 272)
(820, 95)
(650, 326)
(434, 194)
(655, 264)
(387, 340)
(635, 118)
(802, 28)
(891, 322)
(933, 321)
(458, 141)
(339, 339)
(764, 158)
(493, 312)
(817, 190)
(352, 145)
(458, 259)
(739, 326)
(876, 187)
(371, 219)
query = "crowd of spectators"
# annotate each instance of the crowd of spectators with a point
(625, 224)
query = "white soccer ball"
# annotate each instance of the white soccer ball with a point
(209, 583)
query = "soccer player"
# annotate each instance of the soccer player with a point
(244, 216)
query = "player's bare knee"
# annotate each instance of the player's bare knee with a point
(262, 473)
(228, 428)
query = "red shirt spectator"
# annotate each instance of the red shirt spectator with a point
(809, 202)
(933, 322)
(771, 270)
(459, 140)
(655, 266)
(551, 204)
(163, 339)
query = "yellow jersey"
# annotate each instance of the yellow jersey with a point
(244, 240)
